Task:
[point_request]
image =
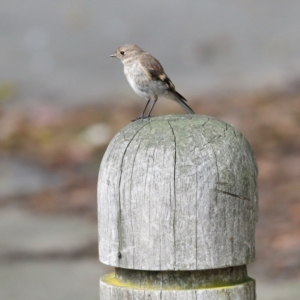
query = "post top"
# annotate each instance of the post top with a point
(177, 192)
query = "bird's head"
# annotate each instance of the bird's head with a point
(127, 51)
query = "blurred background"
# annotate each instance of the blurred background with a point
(62, 100)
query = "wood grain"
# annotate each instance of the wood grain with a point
(177, 193)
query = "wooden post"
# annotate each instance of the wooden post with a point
(177, 207)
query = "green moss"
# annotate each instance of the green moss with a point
(111, 279)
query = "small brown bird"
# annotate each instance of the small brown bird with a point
(147, 77)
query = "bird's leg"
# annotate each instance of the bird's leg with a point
(154, 102)
(142, 115)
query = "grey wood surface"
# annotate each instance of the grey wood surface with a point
(242, 291)
(184, 280)
(177, 193)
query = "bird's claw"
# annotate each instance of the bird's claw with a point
(141, 118)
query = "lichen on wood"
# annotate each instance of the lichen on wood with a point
(177, 193)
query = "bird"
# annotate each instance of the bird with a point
(147, 77)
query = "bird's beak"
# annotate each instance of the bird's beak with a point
(112, 55)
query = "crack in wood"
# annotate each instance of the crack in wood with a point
(133, 241)
(120, 180)
(233, 195)
(174, 218)
(225, 130)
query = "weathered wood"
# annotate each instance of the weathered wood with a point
(177, 193)
(174, 287)
(185, 280)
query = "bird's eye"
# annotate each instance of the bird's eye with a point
(122, 52)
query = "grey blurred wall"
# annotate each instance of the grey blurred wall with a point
(58, 50)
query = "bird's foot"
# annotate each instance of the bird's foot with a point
(142, 117)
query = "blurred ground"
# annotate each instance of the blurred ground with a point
(58, 151)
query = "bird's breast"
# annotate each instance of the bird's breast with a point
(140, 81)
(137, 79)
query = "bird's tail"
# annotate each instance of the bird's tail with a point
(182, 102)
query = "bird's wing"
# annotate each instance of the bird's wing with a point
(154, 69)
